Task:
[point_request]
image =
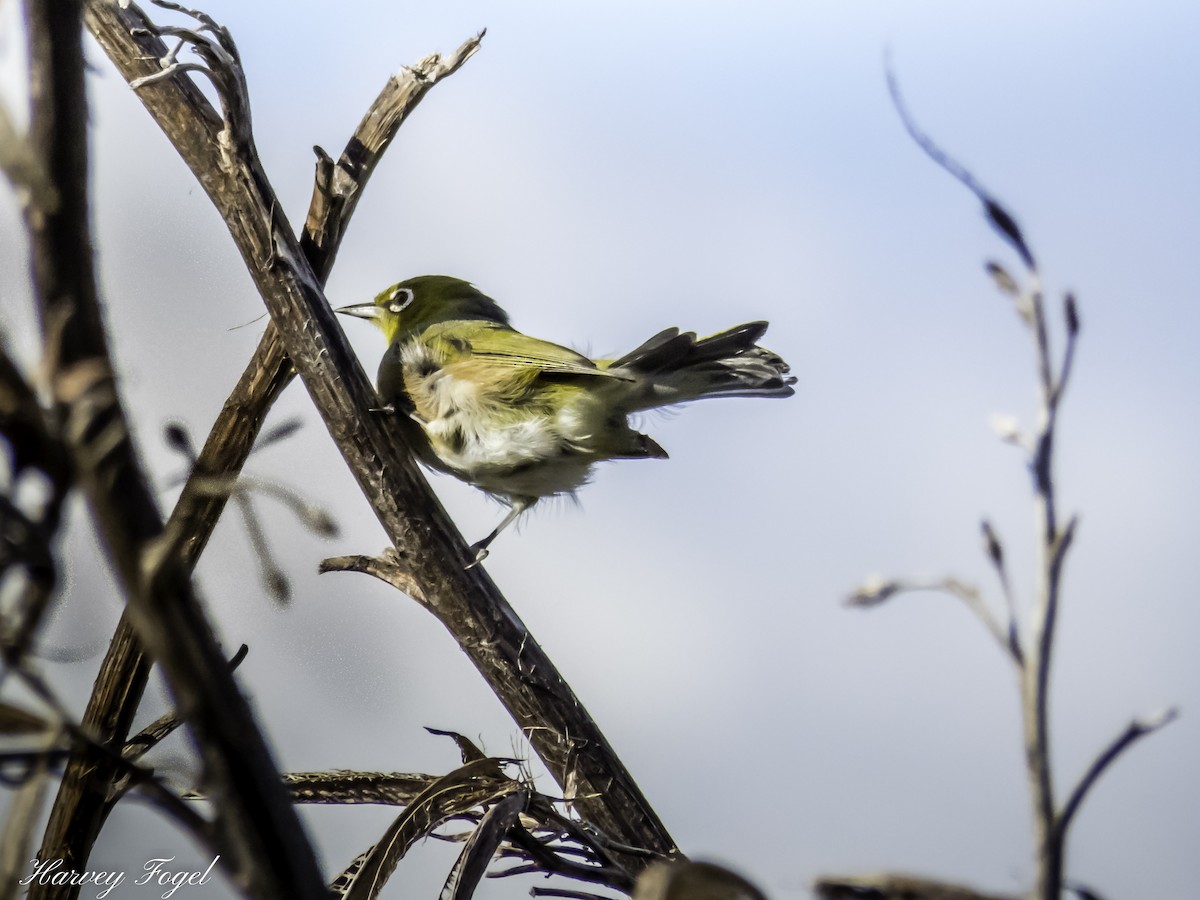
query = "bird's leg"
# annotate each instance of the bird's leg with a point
(389, 410)
(480, 548)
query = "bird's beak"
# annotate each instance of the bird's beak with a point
(360, 310)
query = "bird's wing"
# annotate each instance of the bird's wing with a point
(503, 347)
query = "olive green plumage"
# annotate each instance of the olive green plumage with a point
(522, 418)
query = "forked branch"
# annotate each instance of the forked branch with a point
(432, 551)
(197, 131)
(1030, 648)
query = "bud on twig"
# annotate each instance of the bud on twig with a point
(1008, 429)
(992, 545)
(1071, 314)
(177, 438)
(1003, 280)
(873, 592)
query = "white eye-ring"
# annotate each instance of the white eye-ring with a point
(400, 298)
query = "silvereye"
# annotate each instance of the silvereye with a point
(522, 418)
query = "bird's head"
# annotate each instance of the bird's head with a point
(417, 303)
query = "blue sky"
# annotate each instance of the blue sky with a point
(607, 170)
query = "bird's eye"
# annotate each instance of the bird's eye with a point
(401, 297)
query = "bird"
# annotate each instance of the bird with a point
(522, 418)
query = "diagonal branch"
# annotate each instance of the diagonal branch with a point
(1135, 731)
(468, 603)
(876, 592)
(337, 190)
(550, 715)
(194, 127)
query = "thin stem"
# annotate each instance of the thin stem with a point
(162, 727)
(1136, 730)
(194, 127)
(995, 552)
(137, 776)
(875, 594)
(1041, 337)
(1071, 316)
(1053, 547)
(468, 603)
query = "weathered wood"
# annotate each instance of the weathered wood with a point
(467, 602)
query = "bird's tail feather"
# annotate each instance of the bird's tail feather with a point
(679, 367)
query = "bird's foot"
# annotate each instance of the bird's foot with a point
(481, 553)
(389, 410)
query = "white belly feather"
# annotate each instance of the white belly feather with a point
(481, 441)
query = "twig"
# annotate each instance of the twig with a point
(875, 592)
(995, 552)
(1054, 542)
(392, 570)
(468, 603)
(389, 788)
(1136, 730)
(194, 128)
(996, 214)
(550, 861)
(1053, 545)
(336, 192)
(150, 736)
(1036, 681)
(386, 568)
(132, 773)
(482, 844)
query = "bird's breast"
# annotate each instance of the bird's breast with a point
(507, 432)
(483, 431)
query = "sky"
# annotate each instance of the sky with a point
(608, 170)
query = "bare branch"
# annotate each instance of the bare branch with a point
(194, 128)
(520, 673)
(386, 568)
(1071, 317)
(468, 603)
(876, 591)
(162, 727)
(339, 186)
(554, 860)
(1053, 544)
(1136, 730)
(999, 218)
(143, 779)
(995, 553)
(482, 845)
(390, 788)
(337, 190)
(474, 784)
